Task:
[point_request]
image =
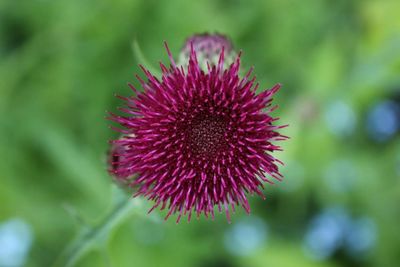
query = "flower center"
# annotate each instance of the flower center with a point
(207, 134)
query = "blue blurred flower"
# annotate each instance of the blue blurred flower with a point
(334, 229)
(383, 121)
(340, 118)
(15, 242)
(245, 236)
(361, 236)
(326, 232)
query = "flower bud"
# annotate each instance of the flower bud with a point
(208, 48)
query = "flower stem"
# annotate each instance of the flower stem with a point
(91, 235)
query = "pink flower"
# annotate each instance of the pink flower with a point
(195, 140)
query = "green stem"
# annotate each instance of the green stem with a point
(141, 59)
(88, 236)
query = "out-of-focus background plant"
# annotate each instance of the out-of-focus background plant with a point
(339, 62)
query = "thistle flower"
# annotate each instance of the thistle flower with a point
(195, 140)
(208, 48)
(116, 156)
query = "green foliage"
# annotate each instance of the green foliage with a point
(62, 61)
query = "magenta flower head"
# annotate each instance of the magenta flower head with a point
(197, 140)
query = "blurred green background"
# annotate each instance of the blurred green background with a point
(339, 62)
